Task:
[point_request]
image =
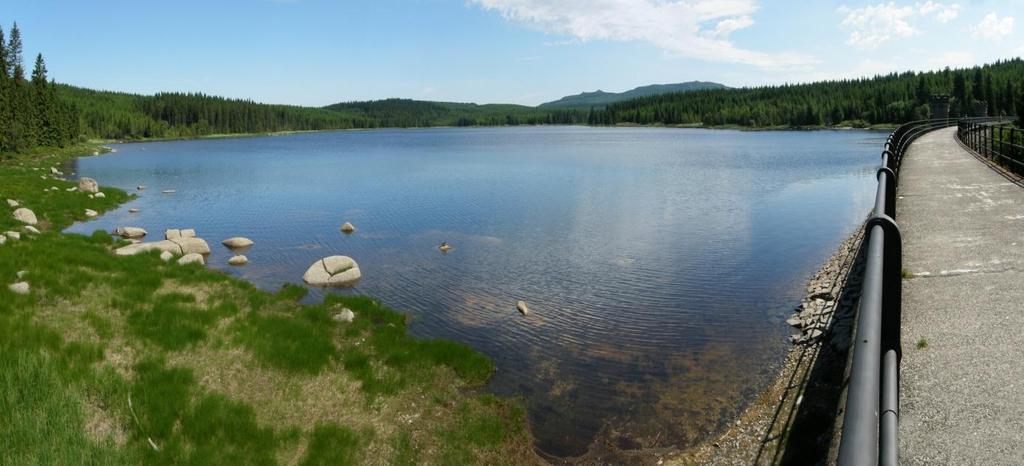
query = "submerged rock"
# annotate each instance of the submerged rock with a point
(333, 271)
(24, 215)
(522, 307)
(237, 242)
(238, 260)
(137, 248)
(88, 185)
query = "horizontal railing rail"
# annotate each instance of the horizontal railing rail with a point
(996, 139)
(870, 427)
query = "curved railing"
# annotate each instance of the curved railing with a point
(871, 419)
(996, 139)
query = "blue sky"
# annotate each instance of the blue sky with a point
(317, 52)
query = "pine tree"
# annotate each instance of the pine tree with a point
(14, 59)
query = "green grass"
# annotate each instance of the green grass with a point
(332, 445)
(212, 365)
(922, 343)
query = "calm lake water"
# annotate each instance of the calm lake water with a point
(659, 264)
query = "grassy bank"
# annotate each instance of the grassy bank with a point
(127, 360)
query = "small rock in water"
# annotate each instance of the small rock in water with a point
(141, 187)
(169, 191)
(237, 242)
(90, 213)
(346, 315)
(19, 288)
(133, 210)
(521, 306)
(191, 258)
(238, 260)
(348, 228)
(130, 232)
(444, 247)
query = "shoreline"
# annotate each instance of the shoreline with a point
(788, 421)
(105, 141)
(216, 354)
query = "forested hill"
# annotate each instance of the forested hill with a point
(116, 115)
(418, 113)
(893, 98)
(600, 98)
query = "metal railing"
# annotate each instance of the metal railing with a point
(871, 419)
(996, 139)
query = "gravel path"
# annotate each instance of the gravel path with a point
(963, 240)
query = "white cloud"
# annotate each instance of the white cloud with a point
(694, 29)
(943, 12)
(993, 27)
(873, 25)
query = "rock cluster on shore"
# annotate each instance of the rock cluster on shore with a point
(815, 315)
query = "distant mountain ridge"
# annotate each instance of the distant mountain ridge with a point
(600, 98)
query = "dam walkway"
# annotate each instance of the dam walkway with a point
(962, 379)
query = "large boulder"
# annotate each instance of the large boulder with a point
(24, 215)
(333, 271)
(88, 185)
(192, 258)
(237, 242)
(190, 245)
(130, 232)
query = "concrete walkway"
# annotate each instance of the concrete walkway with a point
(962, 396)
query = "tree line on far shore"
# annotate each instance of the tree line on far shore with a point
(31, 114)
(889, 99)
(35, 111)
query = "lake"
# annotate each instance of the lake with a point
(658, 264)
